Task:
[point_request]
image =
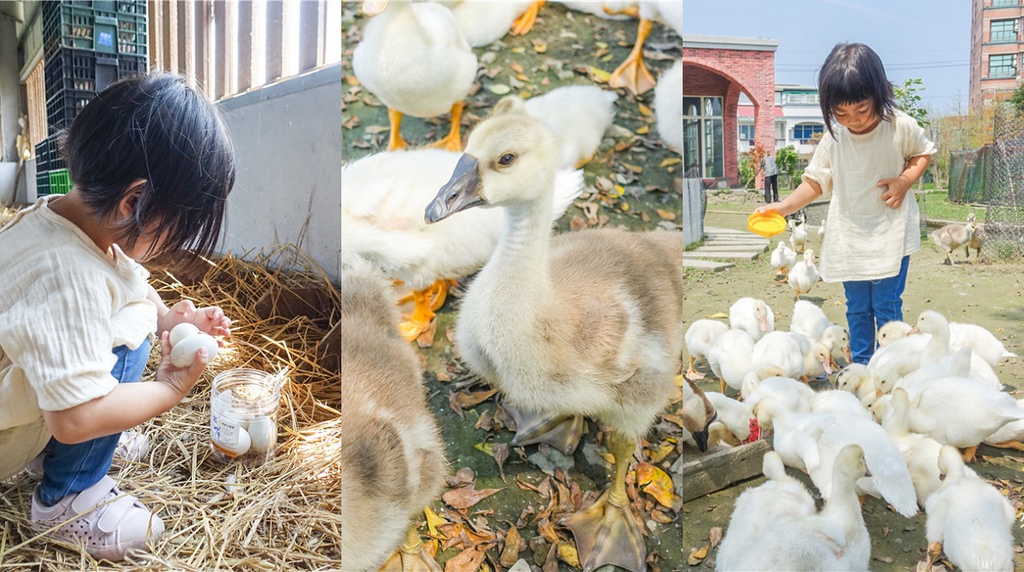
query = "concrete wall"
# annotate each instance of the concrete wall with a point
(287, 140)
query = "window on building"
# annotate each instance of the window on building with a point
(804, 132)
(1001, 66)
(703, 138)
(1001, 3)
(780, 129)
(746, 130)
(1003, 31)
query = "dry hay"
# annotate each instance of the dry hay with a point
(283, 515)
(6, 214)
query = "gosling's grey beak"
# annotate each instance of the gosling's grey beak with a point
(701, 437)
(461, 192)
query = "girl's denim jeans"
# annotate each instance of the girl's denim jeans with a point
(870, 304)
(70, 469)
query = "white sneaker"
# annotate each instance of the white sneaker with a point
(132, 447)
(108, 528)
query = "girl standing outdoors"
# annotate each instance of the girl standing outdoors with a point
(151, 166)
(868, 160)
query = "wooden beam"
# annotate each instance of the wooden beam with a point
(311, 40)
(156, 43)
(218, 63)
(202, 48)
(244, 81)
(184, 16)
(275, 40)
(704, 474)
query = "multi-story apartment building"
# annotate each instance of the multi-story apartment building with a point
(996, 50)
(798, 119)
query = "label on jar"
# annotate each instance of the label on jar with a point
(224, 432)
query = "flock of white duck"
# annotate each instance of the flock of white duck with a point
(890, 429)
(427, 216)
(799, 271)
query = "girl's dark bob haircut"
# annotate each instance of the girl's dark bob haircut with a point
(853, 73)
(156, 129)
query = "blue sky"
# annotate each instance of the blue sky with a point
(922, 39)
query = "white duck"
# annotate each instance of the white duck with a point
(937, 349)
(858, 380)
(782, 350)
(833, 539)
(804, 274)
(729, 358)
(590, 321)
(817, 360)
(810, 320)
(483, 22)
(752, 316)
(919, 451)
(382, 201)
(700, 338)
(632, 74)
(987, 543)
(982, 341)
(893, 374)
(783, 258)
(736, 416)
(578, 114)
(960, 411)
(812, 440)
(668, 106)
(821, 230)
(799, 237)
(399, 464)
(416, 61)
(759, 508)
(1010, 436)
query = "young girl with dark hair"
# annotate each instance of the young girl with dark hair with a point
(151, 165)
(868, 160)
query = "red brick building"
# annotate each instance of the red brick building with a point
(997, 47)
(716, 69)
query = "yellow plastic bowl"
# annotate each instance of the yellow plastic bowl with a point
(767, 224)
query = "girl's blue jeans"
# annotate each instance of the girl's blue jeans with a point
(870, 304)
(70, 469)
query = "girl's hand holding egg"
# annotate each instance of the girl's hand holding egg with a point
(185, 340)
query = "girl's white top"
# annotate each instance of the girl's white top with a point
(866, 240)
(64, 305)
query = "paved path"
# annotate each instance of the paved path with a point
(723, 245)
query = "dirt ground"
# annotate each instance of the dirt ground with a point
(633, 181)
(990, 295)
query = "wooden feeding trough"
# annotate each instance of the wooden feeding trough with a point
(707, 473)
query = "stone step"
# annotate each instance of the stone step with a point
(712, 265)
(736, 244)
(716, 247)
(732, 255)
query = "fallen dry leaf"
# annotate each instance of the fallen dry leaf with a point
(465, 497)
(468, 560)
(715, 536)
(644, 110)
(666, 215)
(462, 477)
(670, 161)
(467, 399)
(695, 557)
(500, 453)
(643, 130)
(663, 450)
(599, 74)
(567, 553)
(510, 553)
(656, 483)
(547, 530)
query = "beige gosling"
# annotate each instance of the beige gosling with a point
(392, 458)
(951, 237)
(584, 323)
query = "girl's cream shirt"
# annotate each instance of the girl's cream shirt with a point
(64, 305)
(866, 240)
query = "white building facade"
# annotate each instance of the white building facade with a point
(798, 120)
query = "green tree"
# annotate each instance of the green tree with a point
(908, 100)
(1017, 99)
(786, 159)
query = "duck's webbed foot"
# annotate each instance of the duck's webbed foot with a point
(562, 432)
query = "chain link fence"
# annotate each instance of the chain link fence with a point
(993, 175)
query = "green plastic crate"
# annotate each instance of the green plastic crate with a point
(60, 182)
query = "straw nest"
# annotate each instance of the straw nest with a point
(282, 515)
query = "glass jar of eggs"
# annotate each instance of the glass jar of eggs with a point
(243, 415)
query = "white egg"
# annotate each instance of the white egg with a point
(182, 331)
(183, 354)
(241, 445)
(263, 434)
